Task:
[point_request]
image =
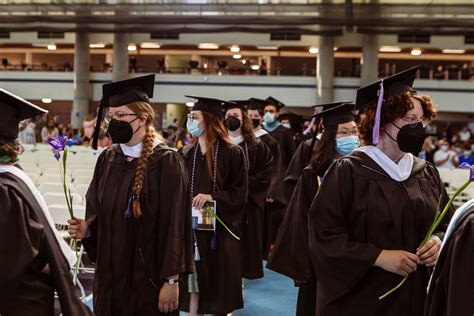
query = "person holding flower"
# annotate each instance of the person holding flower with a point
(138, 214)
(375, 207)
(35, 260)
(217, 170)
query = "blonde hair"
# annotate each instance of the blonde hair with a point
(143, 110)
(9, 151)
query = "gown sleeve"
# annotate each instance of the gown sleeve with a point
(232, 197)
(92, 209)
(340, 262)
(299, 161)
(21, 239)
(261, 172)
(176, 250)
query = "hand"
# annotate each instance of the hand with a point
(200, 199)
(397, 261)
(429, 253)
(168, 299)
(78, 228)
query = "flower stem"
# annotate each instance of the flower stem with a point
(225, 226)
(394, 289)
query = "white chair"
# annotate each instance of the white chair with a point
(82, 180)
(34, 177)
(43, 147)
(53, 198)
(78, 172)
(81, 189)
(54, 178)
(53, 187)
(456, 177)
(55, 170)
(31, 169)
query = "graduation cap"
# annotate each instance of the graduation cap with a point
(123, 92)
(318, 108)
(339, 114)
(210, 105)
(278, 104)
(14, 110)
(396, 84)
(257, 104)
(237, 104)
(290, 116)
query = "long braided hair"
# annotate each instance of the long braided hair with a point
(9, 151)
(145, 111)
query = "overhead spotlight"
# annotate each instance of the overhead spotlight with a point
(150, 45)
(51, 47)
(390, 49)
(208, 46)
(335, 49)
(189, 104)
(46, 100)
(97, 45)
(314, 50)
(415, 52)
(255, 67)
(235, 49)
(132, 47)
(244, 61)
(453, 51)
(237, 56)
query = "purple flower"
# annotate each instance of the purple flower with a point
(466, 165)
(59, 143)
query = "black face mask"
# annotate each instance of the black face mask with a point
(410, 139)
(232, 123)
(255, 122)
(121, 132)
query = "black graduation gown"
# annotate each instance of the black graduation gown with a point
(32, 265)
(128, 253)
(290, 255)
(259, 174)
(219, 272)
(276, 192)
(358, 211)
(300, 160)
(285, 140)
(452, 287)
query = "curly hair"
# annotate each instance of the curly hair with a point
(10, 150)
(393, 107)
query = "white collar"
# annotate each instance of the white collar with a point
(136, 150)
(397, 171)
(65, 249)
(237, 139)
(260, 133)
(453, 224)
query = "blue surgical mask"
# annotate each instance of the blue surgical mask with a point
(346, 145)
(444, 148)
(269, 118)
(287, 125)
(193, 128)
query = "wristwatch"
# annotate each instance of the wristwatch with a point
(172, 281)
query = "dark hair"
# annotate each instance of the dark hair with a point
(325, 151)
(247, 128)
(215, 130)
(393, 107)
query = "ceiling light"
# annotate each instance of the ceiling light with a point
(313, 50)
(46, 100)
(268, 47)
(244, 61)
(237, 56)
(52, 47)
(208, 46)
(335, 49)
(235, 49)
(189, 104)
(150, 45)
(132, 47)
(255, 67)
(97, 45)
(453, 51)
(415, 52)
(390, 49)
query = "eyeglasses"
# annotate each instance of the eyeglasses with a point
(413, 119)
(345, 133)
(119, 116)
(192, 117)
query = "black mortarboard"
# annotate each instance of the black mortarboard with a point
(326, 106)
(342, 113)
(292, 117)
(123, 92)
(275, 102)
(396, 84)
(210, 105)
(257, 104)
(14, 110)
(237, 104)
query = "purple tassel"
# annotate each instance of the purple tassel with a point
(128, 212)
(376, 130)
(214, 241)
(310, 127)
